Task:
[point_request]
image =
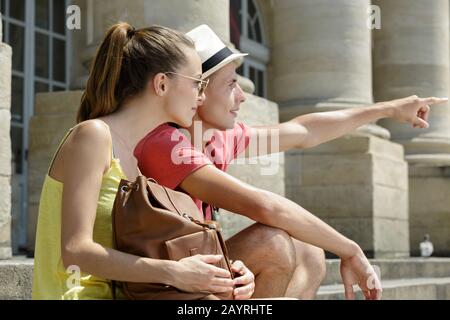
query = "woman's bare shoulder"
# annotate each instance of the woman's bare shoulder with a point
(89, 142)
(92, 130)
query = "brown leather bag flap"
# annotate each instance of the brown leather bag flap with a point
(173, 201)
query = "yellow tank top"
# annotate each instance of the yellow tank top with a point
(50, 279)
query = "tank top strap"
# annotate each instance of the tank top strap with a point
(59, 148)
(66, 136)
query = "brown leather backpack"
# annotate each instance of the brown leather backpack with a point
(150, 220)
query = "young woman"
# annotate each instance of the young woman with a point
(139, 80)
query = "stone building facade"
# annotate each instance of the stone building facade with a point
(385, 185)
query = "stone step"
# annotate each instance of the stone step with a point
(399, 289)
(16, 276)
(409, 278)
(404, 268)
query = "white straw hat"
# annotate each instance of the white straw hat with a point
(212, 51)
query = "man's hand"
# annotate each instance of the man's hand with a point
(245, 281)
(413, 109)
(357, 270)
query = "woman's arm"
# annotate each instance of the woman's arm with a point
(86, 157)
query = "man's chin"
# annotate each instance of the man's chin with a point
(228, 125)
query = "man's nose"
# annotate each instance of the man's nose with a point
(240, 96)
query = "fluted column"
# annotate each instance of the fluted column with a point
(5, 149)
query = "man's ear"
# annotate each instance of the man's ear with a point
(160, 84)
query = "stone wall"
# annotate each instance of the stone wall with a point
(54, 114)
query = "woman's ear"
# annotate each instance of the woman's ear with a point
(160, 84)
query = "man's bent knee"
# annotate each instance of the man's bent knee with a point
(278, 247)
(263, 248)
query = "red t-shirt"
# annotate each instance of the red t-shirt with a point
(168, 156)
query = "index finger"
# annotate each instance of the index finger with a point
(349, 294)
(375, 294)
(433, 100)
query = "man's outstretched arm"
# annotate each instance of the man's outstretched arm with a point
(312, 129)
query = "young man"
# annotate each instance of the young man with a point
(284, 249)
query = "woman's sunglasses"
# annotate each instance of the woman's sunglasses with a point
(201, 84)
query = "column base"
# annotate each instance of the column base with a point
(5, 253)
(358, 185)
(423, 148)
(292, 109)
(374, 130)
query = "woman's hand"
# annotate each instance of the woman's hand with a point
(357, 270)
(244, 281)
(198, 274)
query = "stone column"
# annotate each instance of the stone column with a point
(321, 62)
(411, 56)
(5, 149)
